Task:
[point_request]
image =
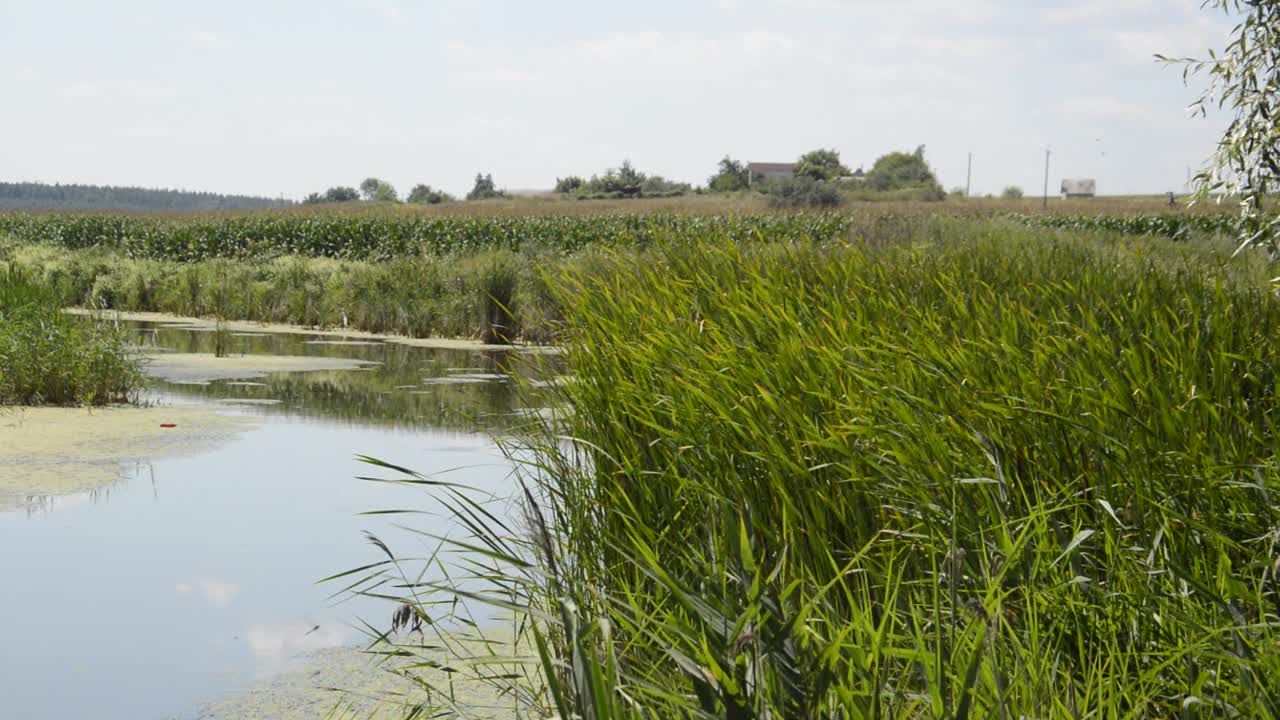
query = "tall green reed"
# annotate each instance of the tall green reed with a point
(988, 471)
(47, 357)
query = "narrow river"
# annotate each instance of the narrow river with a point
(194, 576)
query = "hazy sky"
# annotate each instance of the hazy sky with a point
(282, 98)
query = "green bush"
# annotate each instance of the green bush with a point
(802, 192)
(48, 357)
(905, 171)
(485, 189)
(568, 184)
(425, 195)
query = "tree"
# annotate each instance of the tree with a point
(341, 194)
(568, 184)
(629, 176)
(731, 175)
(625, 181)
(821, 165)
(1245, 78)
(1013, 192)
(39, 196)
(484, 189)
(385, 193)
(375, 190)
(333, 195)
(425, 195)
(903, 171)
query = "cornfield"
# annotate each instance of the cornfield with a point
(357, 236)
(354, 237)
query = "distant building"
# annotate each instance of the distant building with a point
(1084, 188)
(757, 172)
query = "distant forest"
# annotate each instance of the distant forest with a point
(38, 196)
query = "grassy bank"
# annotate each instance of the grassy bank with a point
(493, 296)
(996, 472)
(47, 357)
(395, 270)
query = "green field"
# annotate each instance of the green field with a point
(384, 233)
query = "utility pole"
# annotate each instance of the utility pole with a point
(968, 176)
(1046, 179)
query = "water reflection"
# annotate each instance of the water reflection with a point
(208, 582)
(410, 387)
(217, 593)
(197, 589)
(274, 644)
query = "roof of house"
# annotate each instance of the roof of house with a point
(763, 167)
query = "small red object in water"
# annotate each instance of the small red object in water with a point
(168, 425)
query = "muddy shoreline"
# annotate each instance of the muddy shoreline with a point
(245, 326)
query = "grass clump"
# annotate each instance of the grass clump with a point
(988, 472)
(47, 357)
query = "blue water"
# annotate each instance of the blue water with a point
(195, 576)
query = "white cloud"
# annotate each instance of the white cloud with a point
(386, 8)
(81, 91)
(1094, 10)
(279, 641)
(1174, 30)
(216, 593)
(1101, 106)
(205, 40)
(767, 42)
(757, 79)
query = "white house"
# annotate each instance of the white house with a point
(1083, 188)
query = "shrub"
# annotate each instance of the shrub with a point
(730, 177)
(802, 192)
(1013, 192)
(568, 184)
(821, 165)
(49, 357)
(425, 195)
(484, 189)
(333, 195)
(901, 171)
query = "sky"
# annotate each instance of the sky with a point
(283, 97)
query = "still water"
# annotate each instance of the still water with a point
(196, 576)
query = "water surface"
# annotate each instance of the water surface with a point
(195, 576)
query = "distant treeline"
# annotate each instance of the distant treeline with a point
(39, 196)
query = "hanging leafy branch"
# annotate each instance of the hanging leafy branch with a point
(1244, 79)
